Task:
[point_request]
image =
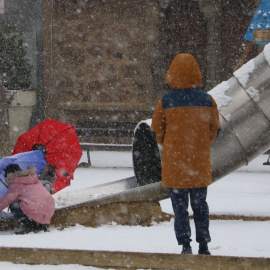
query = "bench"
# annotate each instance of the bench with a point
(102, 130)
(102, 147)
(104, 136)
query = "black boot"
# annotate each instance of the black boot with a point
(203, 249)
(40, 227)
(187, 249)
(25, 226)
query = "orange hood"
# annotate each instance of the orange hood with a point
(184, 72)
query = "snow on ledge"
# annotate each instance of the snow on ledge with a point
(253, 93)
(266, 52)
(242, 74)
(219, 95)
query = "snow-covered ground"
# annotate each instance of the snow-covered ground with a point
(244, 192)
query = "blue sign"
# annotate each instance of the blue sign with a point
(259, 28)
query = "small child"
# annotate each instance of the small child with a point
(36, 203)
(47, 177)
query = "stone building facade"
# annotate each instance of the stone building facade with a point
(104, 61)
(4, 147)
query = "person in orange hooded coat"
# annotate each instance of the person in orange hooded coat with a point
(185, 122)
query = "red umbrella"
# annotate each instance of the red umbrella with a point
(60, 145)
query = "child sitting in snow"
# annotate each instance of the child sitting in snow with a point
(36, 203)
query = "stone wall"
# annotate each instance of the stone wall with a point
(5, 148)
(101, 52)
(107, 60)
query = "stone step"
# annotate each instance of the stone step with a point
(129, 260)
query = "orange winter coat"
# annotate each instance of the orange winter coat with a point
(185, 122)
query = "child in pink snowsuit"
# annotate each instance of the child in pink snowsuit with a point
(36, 203)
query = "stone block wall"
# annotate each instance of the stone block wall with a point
(105, 61)
(5, 148)
(100, 54)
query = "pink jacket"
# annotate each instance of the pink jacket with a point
(35, 201)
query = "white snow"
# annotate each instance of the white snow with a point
(228, 117)
(242, 74)
(244, 192)
(219, 95)
(266, 52)
(253, 93)
(147, 121)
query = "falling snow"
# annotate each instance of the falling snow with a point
(228, 196)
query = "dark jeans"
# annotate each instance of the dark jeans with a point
(180, 200)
